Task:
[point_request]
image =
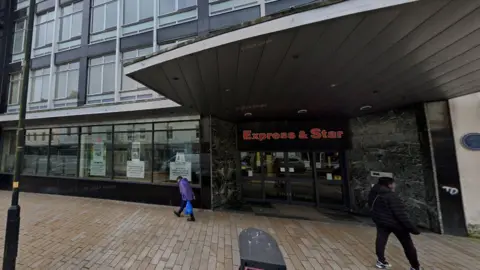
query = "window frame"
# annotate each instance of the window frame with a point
(67, 72)
(15, 32)
(45, 73)
(11, 81)
(138, 54)
(104, 6)
(102, 92)
(39, 24)
(138, 17)
(71, 15)
(176, 8)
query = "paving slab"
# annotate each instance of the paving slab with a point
(60, 232)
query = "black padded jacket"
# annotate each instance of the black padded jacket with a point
(388, 210)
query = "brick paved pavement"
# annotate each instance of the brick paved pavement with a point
(80, 233)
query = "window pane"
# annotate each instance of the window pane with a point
(130, 11)
(183, 125)
(76, 25)
(93, 129)
(95, 80)
(63, 155)
(61, 84)
(182, 143)
(98, 19)
(186, 3)
(133, 127)
(36, 89)
(128, 84)
(49, 34)
(146, 9)
(108, 78)
(111, 20)
(36, 152)
(45, 88)
(96, 155)
(18, 42)
(40, 35)
(72, 86)
(8, 151)
(65, 28)
(166, 6)
(133, 154)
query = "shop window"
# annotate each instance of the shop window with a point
(64, 152)
(39, 87)
(8, 151)
(133, 152)
(36, 153)
(96, 152)
(14, 89)
(101, 75)
(176, 152)
(67, 81)
(71, 21)
(104, 19)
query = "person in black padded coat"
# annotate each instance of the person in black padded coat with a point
(389, 215)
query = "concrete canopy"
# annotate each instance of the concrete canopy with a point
(330, 60)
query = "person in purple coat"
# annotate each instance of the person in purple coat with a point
(187, 195)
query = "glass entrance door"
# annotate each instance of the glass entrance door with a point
(301, 177)
(276, 181)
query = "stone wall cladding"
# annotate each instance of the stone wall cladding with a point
(389, 142)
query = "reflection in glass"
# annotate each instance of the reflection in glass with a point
(63, 153)
(96, 155)
(176, 153)
(300, 170)
(329, 177)
(133, 155)
(275, 182)
(8, 151)
(252, 175)
(36, 152)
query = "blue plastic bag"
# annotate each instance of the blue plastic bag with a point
(188, 208)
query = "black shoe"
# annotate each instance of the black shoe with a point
(176, 213)
(192, 219)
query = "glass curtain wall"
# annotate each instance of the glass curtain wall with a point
(142, 152)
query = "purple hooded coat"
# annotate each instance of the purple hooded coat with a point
(185, 190)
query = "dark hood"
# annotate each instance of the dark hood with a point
(375, 191)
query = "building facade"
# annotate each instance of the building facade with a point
(94, 131)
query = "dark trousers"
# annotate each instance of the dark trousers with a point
(404, 238)
(182, 206)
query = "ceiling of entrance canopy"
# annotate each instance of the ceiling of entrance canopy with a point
(376, 60)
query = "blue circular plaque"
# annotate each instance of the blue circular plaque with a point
(471, 141)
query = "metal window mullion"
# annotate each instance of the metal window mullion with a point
(104, 17)
(103, 74)
(48, 149)
(66, 83)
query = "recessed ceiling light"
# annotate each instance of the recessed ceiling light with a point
(248, 114)
(302, 111)
(227, 90)
(365, 108)
(333, 85)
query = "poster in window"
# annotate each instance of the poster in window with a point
(97, 164)
(135, 167)
(180, 167)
